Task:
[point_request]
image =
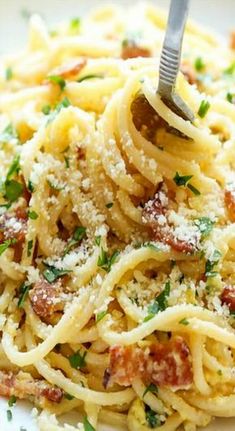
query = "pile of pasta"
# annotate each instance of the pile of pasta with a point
(117, 226)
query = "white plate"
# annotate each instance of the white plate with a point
(217, 14)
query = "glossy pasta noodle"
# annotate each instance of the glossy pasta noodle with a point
(117, 234)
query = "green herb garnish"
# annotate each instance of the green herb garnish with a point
(14, 168)
(9, 415)
(151, 246)
(184, 322)
(12, 400)
(56, 79)
(230, 97)
(230, 70)
(98, 240)
(33, 215)
(75, 24)
(4, 246)
(160, 303)
(151, 388)
(66, 160)
(87, 425)
(152, 418)
(24, 290)
(183, 180)
(68, 397)
(29, 248)
(203, 108)
(8, 134)
(78, 235)
(205, 225)
(77, 360)
(13, 190)
(8, 73)
(51, 273)
(105, 261)
(199, 64)
(46, 109)
(86, 77)
(109, 205)
(100, 316)
(31, 186)
(210, 264)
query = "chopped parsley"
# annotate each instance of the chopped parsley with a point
(68, 397)
(4, 246)
(12, 190)
(109, 205)
(183, 180)
(230, 97)
(46, 109)
(14, 168)
(203, 108)
(12, 400)
(98, 240)
(65, 103)
(9, 415)
(184, 322)
(24, 290)
(151, 246)
(8, 73)
(105, 261)
(230, 70)
(51, 273)
(77, 360)
(219, 372)
(75, 24)
(78, 235)
(8, 134)
(151, 388)
(100, 316)
(210, 264)
(199, 64)
(56, 79)
(31, 186)
(152, 418)
(54, 186)
(87, 425)
(66, 160)
(29, 247)
(33, 215)
(205, 225)
(86, 77)
(160, 303)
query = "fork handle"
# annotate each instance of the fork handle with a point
(172, 46)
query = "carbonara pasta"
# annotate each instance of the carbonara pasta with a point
(117, 226)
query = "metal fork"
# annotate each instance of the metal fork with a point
(170, 59)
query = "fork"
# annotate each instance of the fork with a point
(170, 59)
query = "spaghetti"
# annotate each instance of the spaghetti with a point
(117, 234)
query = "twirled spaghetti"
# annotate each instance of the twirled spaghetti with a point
(117, 234)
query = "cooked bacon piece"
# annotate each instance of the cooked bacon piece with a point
(130, 49)
(22, 385)
(13, 225)
(70, 69)
(46, 298)
(145, 118)
(189, 73)
(155, 217)
(232, 40)
(229, 200)
(228, 297)
(164, 364)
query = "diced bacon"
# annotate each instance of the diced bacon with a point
(164, 364)
(155, 217)
(70, 69)
(229, 200)
(145, 118)
(130, 49)
(232, 40)
(46, 298)
(188, 72)
(228, 297)
(23, 386)
(14, 226)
